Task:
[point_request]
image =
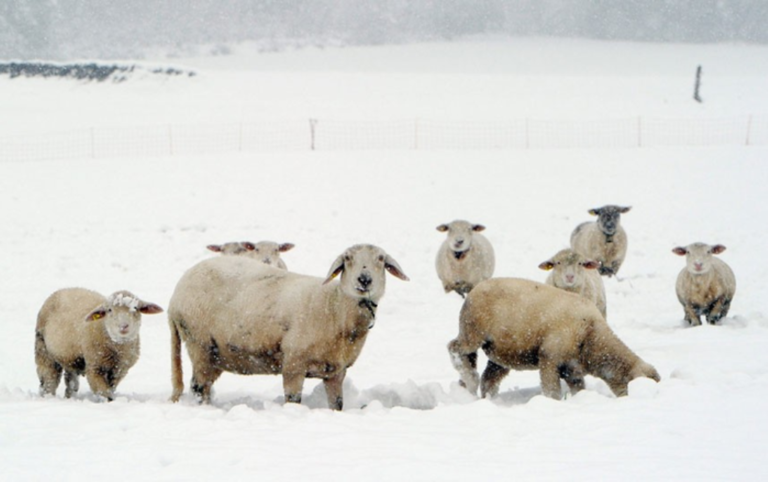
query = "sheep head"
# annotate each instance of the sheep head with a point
(569, 268)
(460, 234)
(698, 256)
(362, 271)
(608, 217)
(121, 315)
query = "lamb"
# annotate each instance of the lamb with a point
(604, 241)
(706, 285)
(83, 333)
(465, 258)
(268, 252)
(241, 316)
(525, 325)
(572, 272)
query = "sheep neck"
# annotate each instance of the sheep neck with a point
(459, 255)
(369, 310)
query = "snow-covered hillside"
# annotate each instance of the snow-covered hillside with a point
(138, 224)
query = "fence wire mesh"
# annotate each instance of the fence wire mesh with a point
(409, 134)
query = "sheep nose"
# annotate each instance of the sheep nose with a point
(569, 278)
(698, 266)
(459, 242)
(364, 280)
(267, 261)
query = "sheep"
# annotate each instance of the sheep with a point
(268, 252)
(465, 258)
(605, 240)
(238, 315)
(83, 333)
(706, 285)
(525, 325)
(572, 272)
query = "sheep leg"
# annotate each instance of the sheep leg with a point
(48, 371)
(573, 374)
(202, 381)
(334, 391)
(101, 381)
(550, 378)
(465, 362)
(293, 382)
(691, 315)
(72, 383)
(718, 310)
(492, 377)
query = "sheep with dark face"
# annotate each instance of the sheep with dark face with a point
(605, 240)
(465, 257)
(572, 272)
(524, 325)
(239, 315)
(268, 252)
(81, 332)
(706, 285)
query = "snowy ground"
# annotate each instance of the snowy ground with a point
(137, 224)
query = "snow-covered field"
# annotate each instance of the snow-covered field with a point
(137, 224)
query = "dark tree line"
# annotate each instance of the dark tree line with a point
(64, 29)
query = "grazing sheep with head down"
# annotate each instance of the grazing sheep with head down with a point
(238, 315)
(81, 332)
(524, 325)
(572, 272)
(706, 285)
(604, 241)
(465, 258)
(268, 252)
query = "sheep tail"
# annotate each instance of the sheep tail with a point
(176, 369)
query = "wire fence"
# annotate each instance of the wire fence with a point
(412, 134)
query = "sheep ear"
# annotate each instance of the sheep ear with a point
(594, 212)
(249, 245)
(336, 268)
(214, 247)
(149, 309)
(625, 209)
(589, 264)
(680, 251)
(96, 314)
(394, 269)
(478, 227)
(442, 228)
(717, 249)
(285, 247)
(547, 265)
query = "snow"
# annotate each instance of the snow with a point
(405, 417)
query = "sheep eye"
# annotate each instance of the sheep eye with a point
(347, 258)
(381, 258)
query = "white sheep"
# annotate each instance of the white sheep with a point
(83, 333)
(268, 252)
(605, 240)
(465, 257)
(238, 315)
(525, 325)
(572, 272)
(706, 285)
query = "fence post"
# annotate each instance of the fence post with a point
(312, 125)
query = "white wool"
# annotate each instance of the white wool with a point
(126, 300)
